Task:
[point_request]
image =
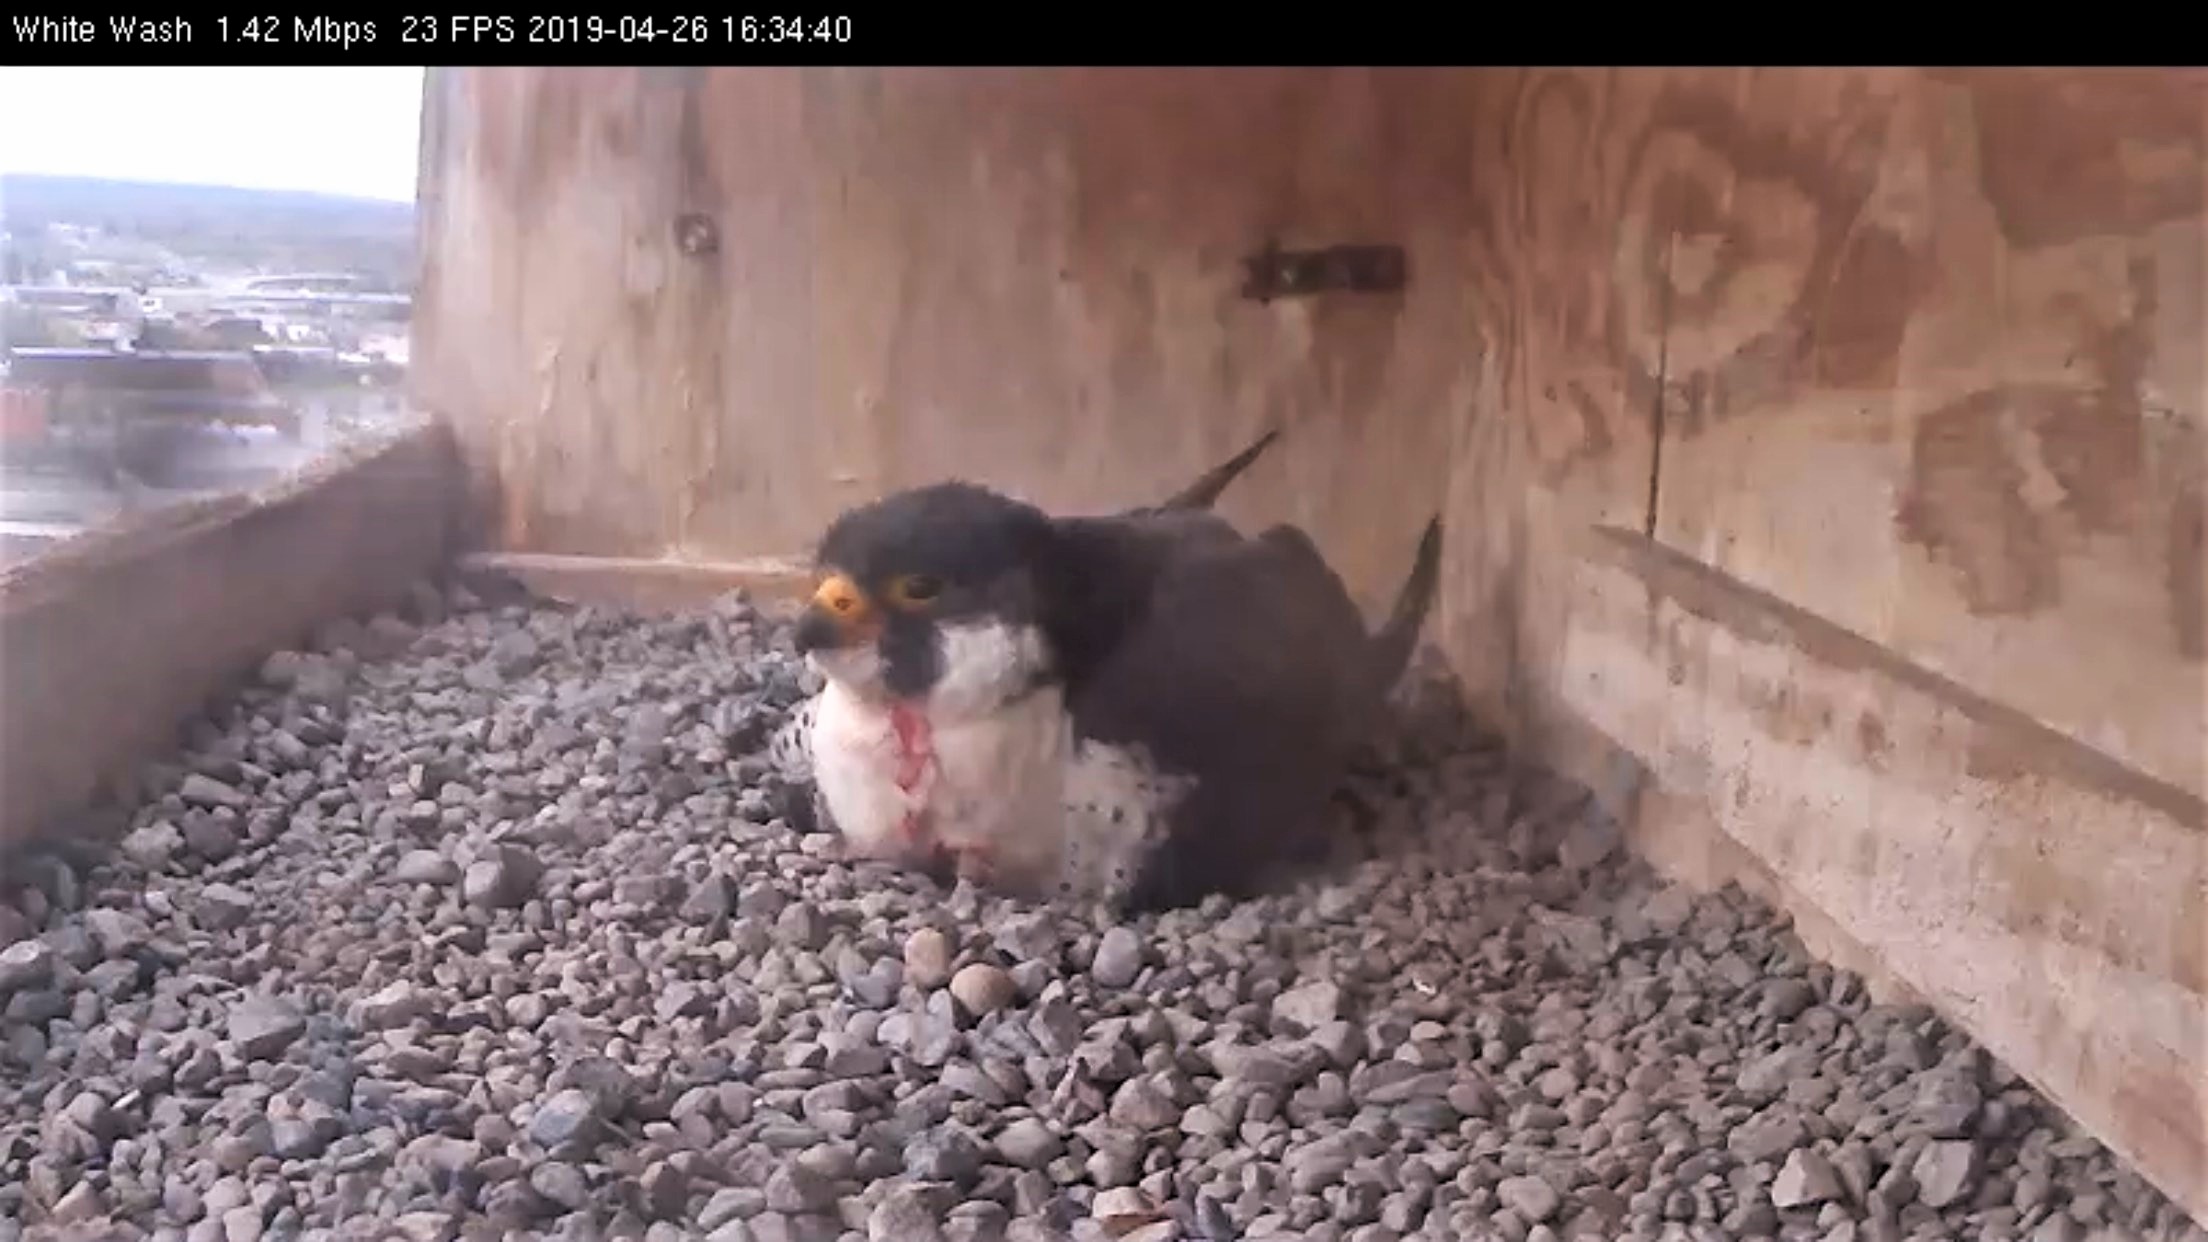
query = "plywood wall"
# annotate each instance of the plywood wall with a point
(1822, 450)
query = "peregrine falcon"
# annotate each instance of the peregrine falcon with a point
(791, 749)
(1137, 709)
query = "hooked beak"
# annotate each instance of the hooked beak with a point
(839, 616)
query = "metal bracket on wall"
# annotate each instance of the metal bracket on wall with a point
(1276, 273)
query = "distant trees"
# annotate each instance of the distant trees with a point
(201, 227)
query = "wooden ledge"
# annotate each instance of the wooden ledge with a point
(640, 583)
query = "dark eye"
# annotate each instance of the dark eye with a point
(915, 589)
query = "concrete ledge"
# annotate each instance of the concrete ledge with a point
(111, 642)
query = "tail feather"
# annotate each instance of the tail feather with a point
(1392, 646)
(1206, 489)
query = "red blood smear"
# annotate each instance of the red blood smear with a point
(913, 756)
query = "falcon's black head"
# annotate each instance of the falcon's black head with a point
(933, 594)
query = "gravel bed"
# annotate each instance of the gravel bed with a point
(495, 925)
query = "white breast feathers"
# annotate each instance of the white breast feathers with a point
(988, 785)
(993, 775)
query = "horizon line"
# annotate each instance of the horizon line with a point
(409, 201)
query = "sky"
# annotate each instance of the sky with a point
(335, 130)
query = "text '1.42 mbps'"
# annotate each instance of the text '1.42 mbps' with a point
(387, 31)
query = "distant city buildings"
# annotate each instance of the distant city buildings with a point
(162, 341)
(112, 345)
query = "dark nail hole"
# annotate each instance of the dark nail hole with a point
(696, 234)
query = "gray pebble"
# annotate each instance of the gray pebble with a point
(1308, 1006)
(1767, 1136)
(562, 1184)
(979, 1220)
(1118, 958)
(206, 791)
(394, 1006)
(1946, 1103)
(1806, 1178)
(2058, 1228)
(224, 907)
(928, 959)
(154, 846)
(664, 1189)
(981, 989)
(944, 1154)
(733, 1203)
(242, 1224)
(25, 965)
(568, 1118)
(425, 867)
(796, 1189)
(907, 1214)
(503, 879)
(1532, 1198)
(212, 840)
(1944, 1171)
(532, 941)
(262, 1027)
(1028, 1143)
(1787, 999)
(1144, 1104)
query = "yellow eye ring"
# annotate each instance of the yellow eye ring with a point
(914, 590)
(839, 596)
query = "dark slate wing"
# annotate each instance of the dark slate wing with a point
(1204, 492)
(1245, 668)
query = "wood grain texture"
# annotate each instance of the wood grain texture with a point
(1917, 355)
(2026, 885)
(1923, 356)
(915, 279)
(1937, 407)
(642, 585)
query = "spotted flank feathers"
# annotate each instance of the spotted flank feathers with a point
(1119, 812)
(791, 750)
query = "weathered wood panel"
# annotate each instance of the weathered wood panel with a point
(2032, 887)
(913, 278)
(1904, 369)
(1933, 370)
(1923, 356)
